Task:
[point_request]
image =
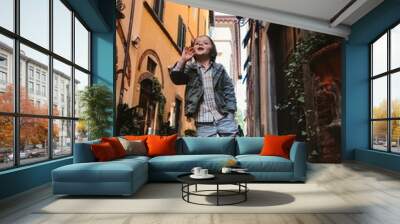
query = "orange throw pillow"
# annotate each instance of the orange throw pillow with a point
(277, 145)
(116, 145)
(103, 152)
(135, 137)
(161, 145)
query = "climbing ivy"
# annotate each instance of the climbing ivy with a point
(158, 96)
(295, 102)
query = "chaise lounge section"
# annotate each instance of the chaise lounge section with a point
(125, 176)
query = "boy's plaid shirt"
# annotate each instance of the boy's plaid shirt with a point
(208, 108)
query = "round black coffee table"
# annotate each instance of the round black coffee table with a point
(238, 179)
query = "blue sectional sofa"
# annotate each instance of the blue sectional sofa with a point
(125, 176)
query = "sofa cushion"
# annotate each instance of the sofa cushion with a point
(132, 158)
(103, 152)
(185, 163)
(249, 145)
(161, 145)
(134, 147)
(116, 145)
(111, 171)
(277, 145)
(135, 137)
(206, 145)
(257, 163)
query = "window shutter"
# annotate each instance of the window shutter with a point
(184, 36)
(179, 39)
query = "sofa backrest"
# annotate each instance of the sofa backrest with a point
(83, 152)
(190, 146)
(249, 145)
(206, 145)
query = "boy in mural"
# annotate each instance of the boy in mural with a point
(209, 96)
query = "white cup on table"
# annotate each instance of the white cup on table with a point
(196, 171)
(226, 170)
(203, 172)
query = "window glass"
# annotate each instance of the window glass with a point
(7, 14)
(6, 142)
(62, 138)
(395, 136)
(30, 58)
(81, 131)
(62, 29)
(6, 74)
(379, 98)
(395, 47)
(81, 82)
(379, 56)
(62, 91)
(34, 144)
(379, 135)
(395, 95)
(388, 81)
(35, 92)
(35, 21)
(81, 45)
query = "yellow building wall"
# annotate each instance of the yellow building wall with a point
(153, 38)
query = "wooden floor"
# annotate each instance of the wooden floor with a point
(379, 190)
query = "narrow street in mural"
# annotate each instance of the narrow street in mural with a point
(197, 72)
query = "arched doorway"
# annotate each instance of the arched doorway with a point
(148, 104)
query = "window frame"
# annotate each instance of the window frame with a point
(158, 8)
(181, 39)
(16, 114)
(388, 74)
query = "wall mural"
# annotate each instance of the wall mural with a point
(197, 72)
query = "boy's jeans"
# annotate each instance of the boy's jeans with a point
(224, 127)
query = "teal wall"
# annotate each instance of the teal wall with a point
(356, 86)
(99, 16)
(103, 48)
(24, 178)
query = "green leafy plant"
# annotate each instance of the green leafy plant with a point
(125, 119)
(295, 102)
(158, 96)
(96, 102)
(129, 121)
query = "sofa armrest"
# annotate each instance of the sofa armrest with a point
(298, 155)
(83, 152)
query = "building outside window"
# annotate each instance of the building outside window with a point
(3, 61)
(43, 90)
(30, 87)
(385, 91)
(43, 77)
(3, 78)
(38, 89)
(37, 74)
(30, 72)
(3, 71)
(57, 133)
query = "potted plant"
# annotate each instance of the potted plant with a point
(96, 103)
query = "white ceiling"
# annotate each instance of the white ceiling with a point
(321, 9)
(315, 15)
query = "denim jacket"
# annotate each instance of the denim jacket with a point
(223, 88)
